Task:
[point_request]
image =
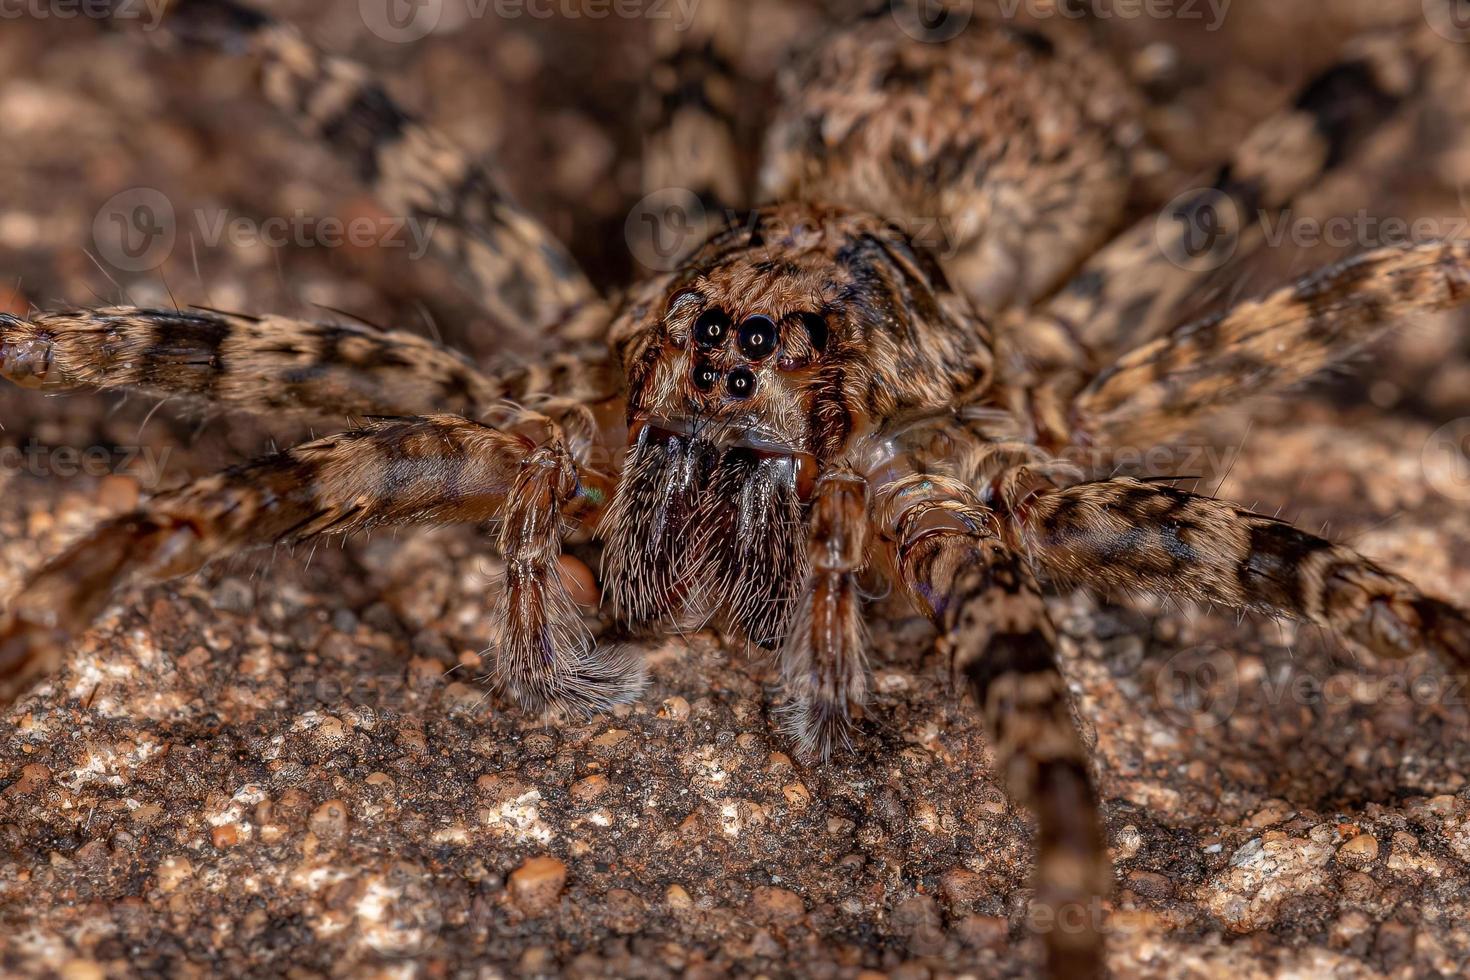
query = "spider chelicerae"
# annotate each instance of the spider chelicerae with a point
(811, 398)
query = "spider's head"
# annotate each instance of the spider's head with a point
(800, 328)
(782, 342)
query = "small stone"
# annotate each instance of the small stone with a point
(674, 709)
(225, 836)
(625, 911)
(609, 741)
(460, 696)
(770, 904)
(1271, 813)
(502, 787)
(329, 821)
(1150, 885)
(173, 872)
(797, 795)
(677, 898)
(1359, 852)
(589, 789)
(580, 584)
(330, 731)
(961, 889)
(32, 778)
(537, 884)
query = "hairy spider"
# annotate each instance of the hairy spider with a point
(811, 396)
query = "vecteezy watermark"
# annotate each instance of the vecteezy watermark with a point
(143, 463)
(406, 21)
(1198, 688)
(665, 227)
(1361, 230)
(668, 224)
(1446, 460)
(1200, 230)
(148, 12)
(1212, 12)
(1450, 19)
(138, 230)
(935, 21)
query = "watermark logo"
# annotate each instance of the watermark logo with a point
(1446, 460)
(148, 12)
(934, 21)
(1198, 688)
(136, 230)
(401, 21)
(1199, 230)
(664, 227)
(143, 463)
(1212, 12)
(1450, 19)
(406, 21)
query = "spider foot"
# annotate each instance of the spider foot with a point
(819, 724)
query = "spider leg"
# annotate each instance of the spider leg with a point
(1167, 386)
(690, 142)
(521, 274)
(824, 656)
(1132, 536)
(1125, 293)
(257, 364)
(947, 556)
(275, 364)
(430, 470)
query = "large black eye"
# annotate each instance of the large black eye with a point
(740, 383)
(712, 327)
(705, 377)
(816, 329)
(757, 336)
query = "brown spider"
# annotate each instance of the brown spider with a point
(811, 396)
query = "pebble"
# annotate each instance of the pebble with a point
(589, 789)
(770, 904)
(1360, 851)
(329, 821)
(537, 884)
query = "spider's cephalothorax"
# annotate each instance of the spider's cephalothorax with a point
(782, 349)
(811, 398)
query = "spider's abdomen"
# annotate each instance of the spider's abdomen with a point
(1005, 151)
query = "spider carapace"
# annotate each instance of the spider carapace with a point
(815, 396)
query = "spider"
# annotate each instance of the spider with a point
(812, 397)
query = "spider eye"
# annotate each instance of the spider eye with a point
(705, 377)
(712, 327)
(816, 329)
(757, 336)
(740, 383)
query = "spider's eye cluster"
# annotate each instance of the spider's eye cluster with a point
(757, 337)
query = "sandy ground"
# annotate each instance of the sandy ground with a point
(287, 765)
